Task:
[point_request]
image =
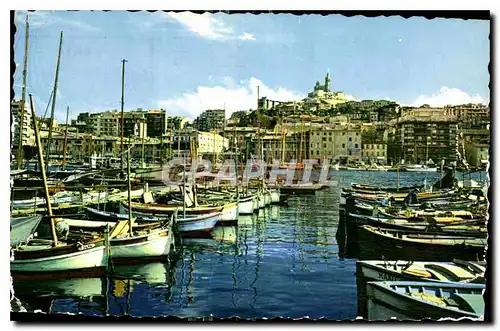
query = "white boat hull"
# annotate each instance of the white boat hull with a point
(90, 258)
(261, 200)
(191, 225)
(267, 198)
(245, 207)
(275, 196)
(154, 246)
(229, 213)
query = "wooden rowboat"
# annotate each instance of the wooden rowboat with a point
(440, 272)
(392, 244)
(420, 300)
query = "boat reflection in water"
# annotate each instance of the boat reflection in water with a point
(76, 295)
(128, 282)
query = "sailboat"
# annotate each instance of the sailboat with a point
(78, 255)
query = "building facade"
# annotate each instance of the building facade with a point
(374, 153)
(203, 144)
(422, 135)
(210, 120)
(28, 135)
(339, 143)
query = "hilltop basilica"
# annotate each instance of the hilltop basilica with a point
(322, 97)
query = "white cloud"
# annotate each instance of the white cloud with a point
(207, 26)
(39, 19)
(448, 96)
(246, 36)
(242, 96)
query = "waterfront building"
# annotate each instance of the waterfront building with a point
(28, 135)
(80, 146)
(211, 119)
(177, 123)
(423, 134)
(240, 138)
(471, 116)
(374, 153)
(156, 122)
(203, 143)
(337, 143)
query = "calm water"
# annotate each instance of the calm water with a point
(283, 261)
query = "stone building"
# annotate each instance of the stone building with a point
(423, 134)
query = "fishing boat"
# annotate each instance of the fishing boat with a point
(165, 210)
(275, 196)
(455, 271)
(420, 168)
(392, 243)
(39, 259)
(197, 224)
(108, 216)
(186, 225)
(385, 188)
(246, 205)
(436, 225)
(130, 247)
(299, 188)
(420, 300)
(267, 197)
(441, 272)
(77, 255)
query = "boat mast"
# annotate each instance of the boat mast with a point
(142, 147)
(179, 143)
(236, 163)
(23, 98)
(184, 188)
(53, 101)
(129, 198)
(122, 122)
(65, 145)
(44, 177)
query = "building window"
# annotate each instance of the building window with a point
(343, 145)
(330, 139)
(350, 138)
(355, 145)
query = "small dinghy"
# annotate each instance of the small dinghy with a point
(420, 300)
(440, 272)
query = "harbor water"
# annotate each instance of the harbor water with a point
(282, 261)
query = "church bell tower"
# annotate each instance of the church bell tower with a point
(327, 82)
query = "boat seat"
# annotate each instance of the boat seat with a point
(417, 273)
(469, 302)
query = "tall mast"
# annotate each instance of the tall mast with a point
(23, 98)
(65, 146)
(53, 101)
(142, 147)
(128, 196)
(122, 122)
(44, 177)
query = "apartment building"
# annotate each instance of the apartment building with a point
(423, 134)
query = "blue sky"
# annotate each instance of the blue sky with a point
(186, 62)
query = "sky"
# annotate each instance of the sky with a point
(186, 63)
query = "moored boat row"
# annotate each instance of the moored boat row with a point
(421, 254)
